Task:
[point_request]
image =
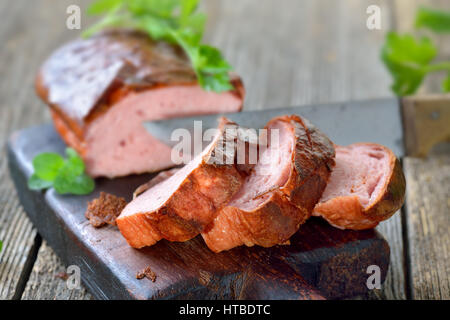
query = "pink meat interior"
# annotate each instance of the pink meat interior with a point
(155, 197)
(272, 170)
(361, 170)
(118, 144)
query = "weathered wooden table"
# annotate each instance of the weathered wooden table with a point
(290, 53)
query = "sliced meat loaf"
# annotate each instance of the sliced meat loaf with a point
(101, 89)
(366, 186)
(160, 177)
(281, 190)
(182, 205)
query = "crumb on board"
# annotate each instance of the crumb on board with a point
(62, 275)
(146, 273)
(104, 209)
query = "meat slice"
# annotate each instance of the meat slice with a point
(181, 206)
(101, 89)
(366, 186)
(281, 190)
(160, 177)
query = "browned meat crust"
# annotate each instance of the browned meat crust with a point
(313, 160)
(82, 79)
(190, 207)
(85, 79)
(279, 217)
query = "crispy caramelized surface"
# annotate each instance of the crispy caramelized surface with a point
(180, 207)
(78, 75)
(91, 74)
(280, 192)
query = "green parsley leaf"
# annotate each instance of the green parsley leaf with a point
(216, 83)
(68, 183)
(36, 183)
(435, 20)
(446, 84)
(408, 60)
(74, 163)
(67, 176)
(46, 165)
(102, 6)
(188, 7)
(175, 21)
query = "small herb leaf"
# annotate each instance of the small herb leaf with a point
(435, 20)
(407, 59)
(67, 183)
(46, 165)
(446, 84)
(36, 183)
(74, 163)
(175, 21)
(102, 6)
(67, 176)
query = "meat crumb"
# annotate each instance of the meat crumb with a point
(105, 209)
(62, 275)
(146, 273)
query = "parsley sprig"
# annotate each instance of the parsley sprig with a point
(410, 59)
(175, 21)
(66, 176)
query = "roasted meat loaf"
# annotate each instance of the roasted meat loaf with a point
(101, 89)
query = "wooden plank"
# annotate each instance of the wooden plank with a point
(47, 280)
(427, 203)
(18, 236)
(16, 231)
(428, 225)
(301, 52)
(29, 32)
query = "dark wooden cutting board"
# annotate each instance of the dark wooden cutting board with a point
(322, 262)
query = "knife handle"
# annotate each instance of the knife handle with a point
(426, 122)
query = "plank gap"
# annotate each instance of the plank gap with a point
(28, 267)
(406, 258)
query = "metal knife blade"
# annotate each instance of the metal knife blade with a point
(377, 120)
